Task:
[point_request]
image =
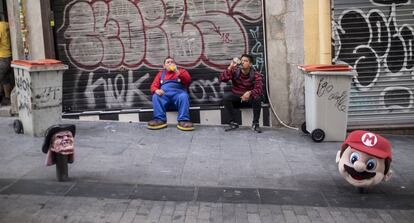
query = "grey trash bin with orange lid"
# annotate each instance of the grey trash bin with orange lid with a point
(39, 94)
(326, 101)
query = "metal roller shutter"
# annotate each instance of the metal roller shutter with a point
(376, 38)
(115, 48)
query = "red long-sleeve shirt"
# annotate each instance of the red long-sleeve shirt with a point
(243, 84)
(171, 75)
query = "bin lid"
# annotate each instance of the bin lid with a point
(43, 64)
(31, 63)
(325, 67)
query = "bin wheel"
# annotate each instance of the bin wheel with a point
(303, 127)
(318, 135)
(18, 126)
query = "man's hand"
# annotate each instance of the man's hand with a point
(232, 65)
(246, 96)
(159, 92)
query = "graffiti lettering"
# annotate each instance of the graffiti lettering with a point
(205, 90)
(23, 82)
(383, 46)
(340, 100)
(121, 33)
(103, 38)
(323, 87)
(398, 98)
(48, 96)
(257, 50)
(184, 47)
(115, 91)
(24, 104)
(224, 36)
(24, 91)
(390, 2)
(378, 43)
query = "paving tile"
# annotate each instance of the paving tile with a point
(192, 212)
(240, 212)
(229, 213)
(265, 214)
(179, 212)
(143, 211)
(130, 212)
(216, 215)
(291, 197)
(156, 210)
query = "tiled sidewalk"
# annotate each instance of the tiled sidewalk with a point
(121, 166)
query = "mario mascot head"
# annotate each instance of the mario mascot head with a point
(364, 159)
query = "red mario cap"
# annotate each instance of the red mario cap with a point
(368, 142)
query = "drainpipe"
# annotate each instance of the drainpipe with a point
(325, 32)
(25, 31)
(16, 36)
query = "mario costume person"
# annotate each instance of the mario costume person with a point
(169, 90)
(364, 159)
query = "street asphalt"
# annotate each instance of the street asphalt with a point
(124, 172)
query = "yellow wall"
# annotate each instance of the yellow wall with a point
(317, 31)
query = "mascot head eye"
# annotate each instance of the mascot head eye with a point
(354, 157)
(371, 164)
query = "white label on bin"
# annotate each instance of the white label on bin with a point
(369, 139)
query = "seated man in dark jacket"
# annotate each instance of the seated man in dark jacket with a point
(247, 89)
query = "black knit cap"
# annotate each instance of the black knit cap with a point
(53, 130)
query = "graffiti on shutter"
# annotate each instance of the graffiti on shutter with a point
(377, 39)
(115, 48)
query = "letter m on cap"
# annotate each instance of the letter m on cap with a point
(369, 139)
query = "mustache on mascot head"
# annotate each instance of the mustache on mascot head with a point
(359, 175)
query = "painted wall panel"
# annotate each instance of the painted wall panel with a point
(115, 48)
(376, 38)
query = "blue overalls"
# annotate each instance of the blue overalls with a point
(175, 97)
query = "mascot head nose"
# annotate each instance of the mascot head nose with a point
(359, 166)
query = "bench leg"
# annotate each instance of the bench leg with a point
(62, 167)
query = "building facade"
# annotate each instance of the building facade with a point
(114, 49)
